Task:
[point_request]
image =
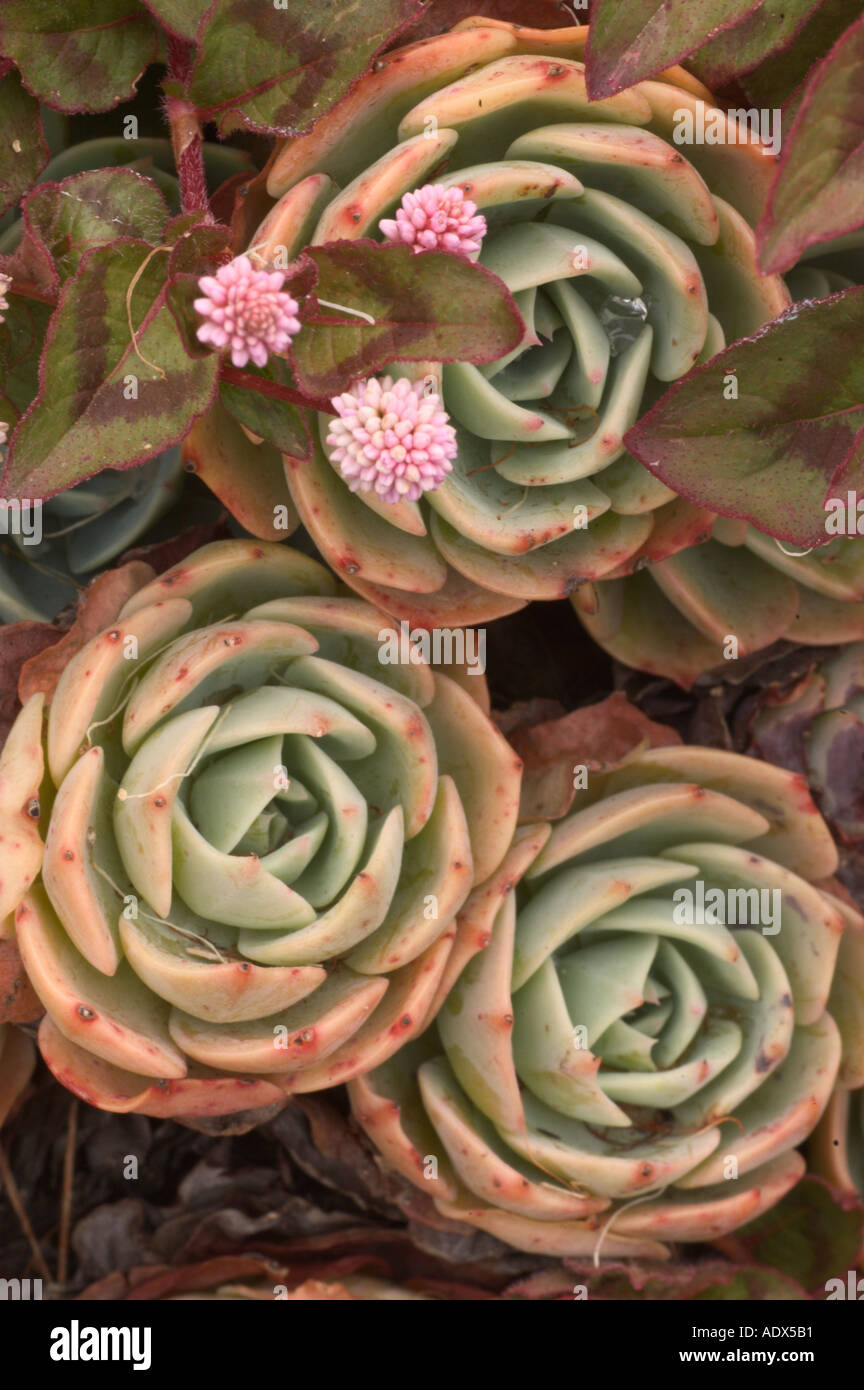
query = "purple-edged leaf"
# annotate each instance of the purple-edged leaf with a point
(102, 403)
(22, 334)
(769, 29)
(632, 39)
(430, 306)
(279, 422)
(773, 454)
(83, 211)
(198, 249)
(435, 18)
(277, 69)
(819, 190)
(180, 17)
(778, 77)
(32, 269)
(23, 151)
(79, 55)
(813, 1235)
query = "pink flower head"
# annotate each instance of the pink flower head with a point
(392, 438)
(5, 282)
(435, 218)
(247, 310)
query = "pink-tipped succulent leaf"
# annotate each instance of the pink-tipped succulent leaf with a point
(632, 258)
(261, 829)
(652, 1011)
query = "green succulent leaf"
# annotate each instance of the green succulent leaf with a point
(102, 403)
(84, 55)
(92, 208)
(776, 454)
(273, 68)
(23, 151)
(819, 191)
(633, 39)
(432, 306)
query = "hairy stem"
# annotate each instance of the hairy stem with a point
(186, 137)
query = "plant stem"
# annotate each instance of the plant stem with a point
(17, 1205)
(186, 137)
(66, 1195)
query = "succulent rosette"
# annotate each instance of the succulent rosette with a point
(75, 533)
(631, 258)
(612, 1069)
(235, 871)
(815, 725)
(836, 1151)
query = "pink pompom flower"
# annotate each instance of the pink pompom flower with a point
(5, 283)
(392, 438)
(435, 218)
(247, 311)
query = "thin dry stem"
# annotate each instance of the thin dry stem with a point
(17, 1205)
(66, 1193)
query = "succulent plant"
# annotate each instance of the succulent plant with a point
(237, 873)
(836, 1150)
(631, 258)
(815, 726)
(633, 1045)
(83, 530)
